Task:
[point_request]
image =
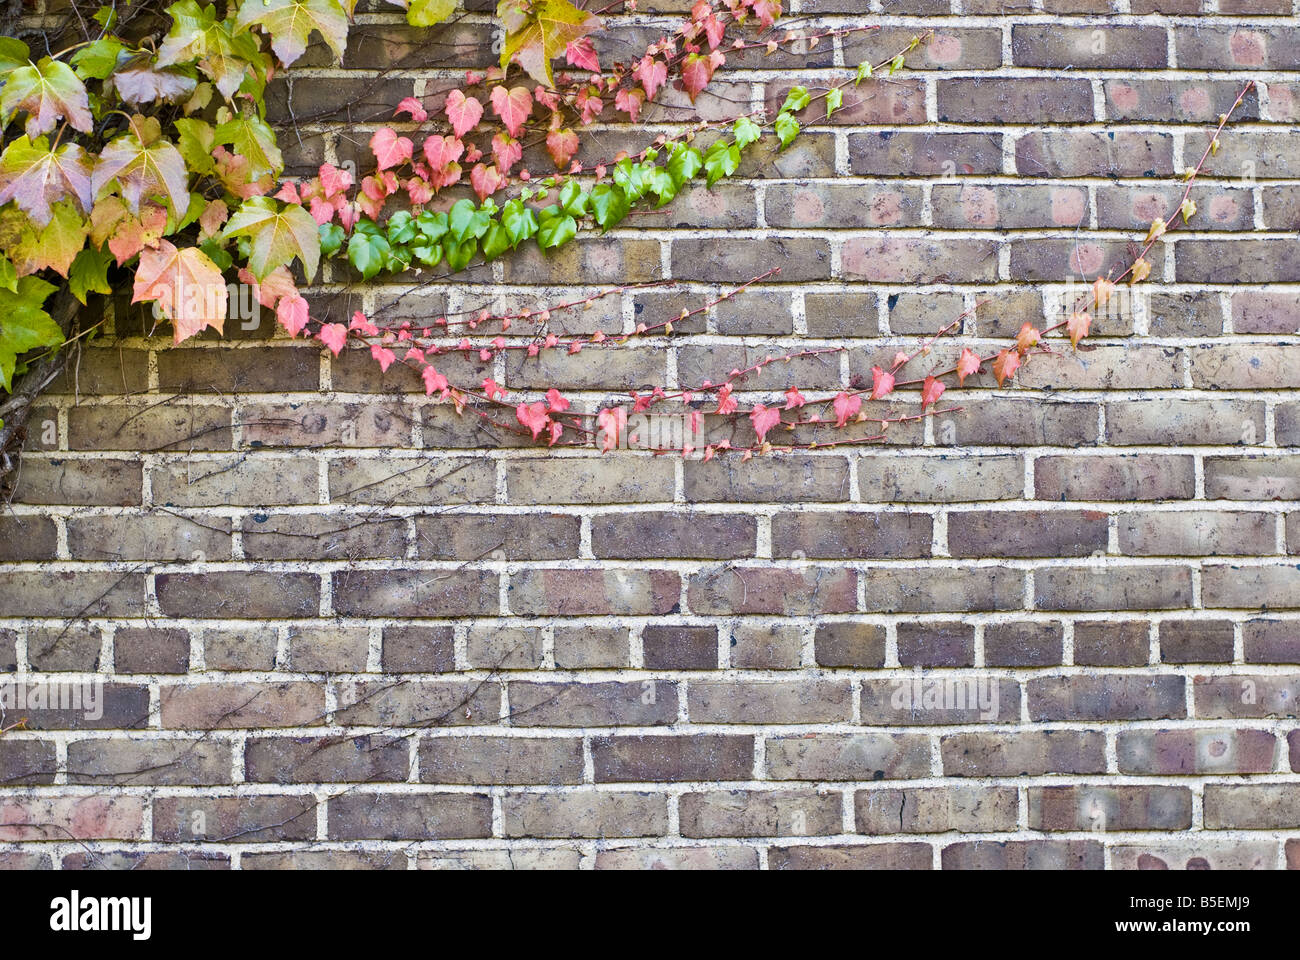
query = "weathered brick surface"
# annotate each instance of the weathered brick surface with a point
(340, 626)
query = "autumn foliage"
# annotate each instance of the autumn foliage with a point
(153, 155)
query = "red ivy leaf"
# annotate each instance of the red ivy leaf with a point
(764, 419)
(931, 391)
(1006, 365)
(533, 416)
(414, 108)
(652, 73)
(513, 106)
(556, 401)
(794, 399)
(611, 423)
(846, 405)
(562, 145)
(463, 112)
(967, 364)
(1027, 337)
(506, 151)
(389, 149)
(697, 71)
(291, 311)
(630, 102)
(485, 181)
(334, 336)
(882, 383)
(581, 53)
(442, 152)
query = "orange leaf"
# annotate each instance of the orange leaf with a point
(187, 285)
(1077, 324)
(1006, 365)
(967, 364)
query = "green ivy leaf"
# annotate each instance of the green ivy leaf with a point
(331, 239)
(495, 242)
(460, 254)
(276, 235)
(745, 132)
(465, 221)
(633, 178)
(609, 205)
(556, 231)
(519, 221)
(796, 100)
(24, 324)
(13, 54)
(195, 140)
(8, 276)
(834, 100)
(787, 128)
(432, 226)
(401, 227)
(367, 253)
(98, 60)
(573, 200)
(251, 137)
(864, 72)
(663, 186)
(89, 273)
(429, 254)
(684, 163)
(721, 160)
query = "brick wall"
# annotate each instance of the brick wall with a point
(338, 625)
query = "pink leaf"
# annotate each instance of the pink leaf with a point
(581, 53)
(291, 311)
(562, 145)
(441, 152)
(506, 151)
(414, 108)
(726, 402)
(968, 363)
(931, 391)
(652, 73)
(389, 149)
(555, 400)
(485, 180)
(611, 423)
(764, 419)
(334, 336)
(533, 416)
(513, 106)
(697, 71)
(383, 356)
(492, 388)
(434, 382)
(630, 102)
(334, 180)
(463, 112)
(846, 405)
(794, 399)
(882, 383)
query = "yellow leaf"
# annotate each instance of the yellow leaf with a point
(1157, 230)
(1141, 270)
(1188, 209)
